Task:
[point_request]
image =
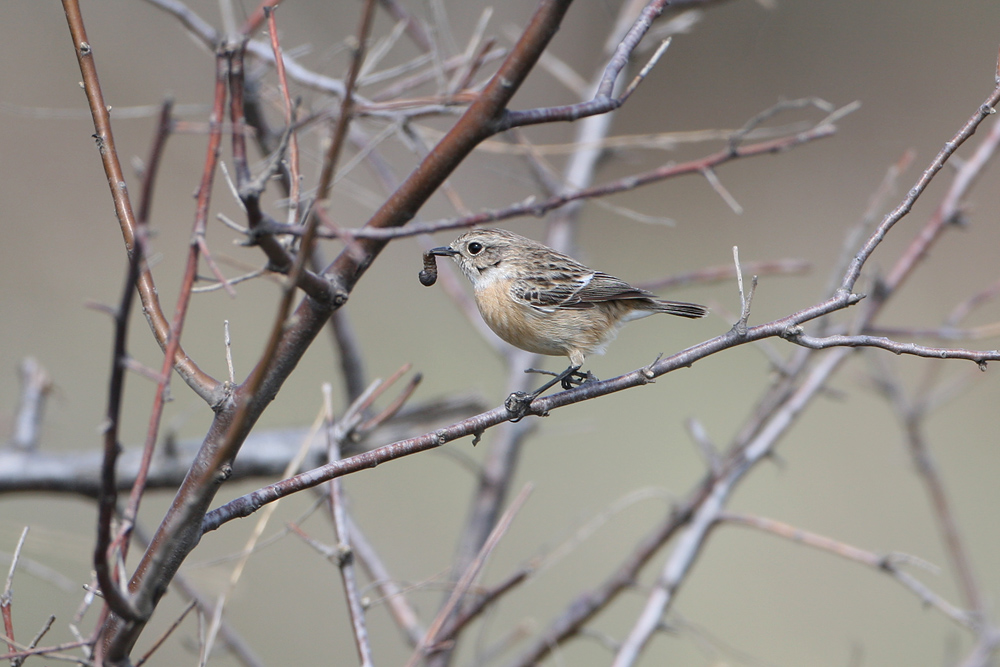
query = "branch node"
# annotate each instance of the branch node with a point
(648, 373)
(792, 331)
(345, 555)
(224, 473)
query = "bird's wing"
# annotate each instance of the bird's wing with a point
(603, 287)
(573, 290)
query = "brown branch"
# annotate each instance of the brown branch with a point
(980, 357)
(259, 16)
(889, 564)
(476, 124)
(150, 173)
(53, 651)
(774, 414)
(250, 189)
(294, 185)
(414, 28)
(484, 601)
(203, 384)
(246, 505)
(7, 597)
(345, 557)
(347, 104)
(540, 208)
(603, 100)
(431, 640)
(393, 596)
(166, 635)
(151, 169)
(117, 599)
(945, 212)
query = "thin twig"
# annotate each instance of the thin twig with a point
(7, 597)
(203, 384)
(166, 635)
(293, 142)
(345, 554)
(36, 384)
(347, 104)
(888, 564)
(431, 639)
(394, 597)
(540, 208)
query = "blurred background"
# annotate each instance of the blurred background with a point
(919, 70)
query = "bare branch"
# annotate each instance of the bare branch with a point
(539, 208)
(36, 384)
(796, 336)
(345, 554)
(888, 564)
(201, 383)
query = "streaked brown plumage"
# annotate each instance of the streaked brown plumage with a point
(546, 302)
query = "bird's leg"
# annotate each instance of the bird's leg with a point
(518, 402)
(568, 379)
(576, 378)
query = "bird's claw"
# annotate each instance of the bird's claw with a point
(577, 378)
(517, 404)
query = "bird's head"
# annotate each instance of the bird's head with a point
(485, 254)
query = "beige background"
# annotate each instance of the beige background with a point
(919, 68)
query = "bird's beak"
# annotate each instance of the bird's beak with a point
(444, 251)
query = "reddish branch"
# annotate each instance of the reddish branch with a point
(181, 528)
(203, 384)
(540, 208)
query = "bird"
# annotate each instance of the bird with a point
(543, 301)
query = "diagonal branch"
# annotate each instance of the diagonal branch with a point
(203, 384)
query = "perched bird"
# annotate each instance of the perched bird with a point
(543, 301)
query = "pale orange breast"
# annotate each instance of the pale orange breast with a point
(571, 332)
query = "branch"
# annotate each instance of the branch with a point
(203, 384)
(246, 505)
(603, 100)
(934, 226)
(335, 434)
(980, 357)
(692, 540)
(264, 454)
(36, 385)
(540, 208)
(889, 564)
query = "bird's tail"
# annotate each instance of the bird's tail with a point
(680, 308)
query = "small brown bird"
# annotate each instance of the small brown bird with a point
(545, 302)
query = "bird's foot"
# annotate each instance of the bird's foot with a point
(576, 378)
(567, 379)
(517, 404)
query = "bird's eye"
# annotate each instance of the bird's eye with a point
(475, 248)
